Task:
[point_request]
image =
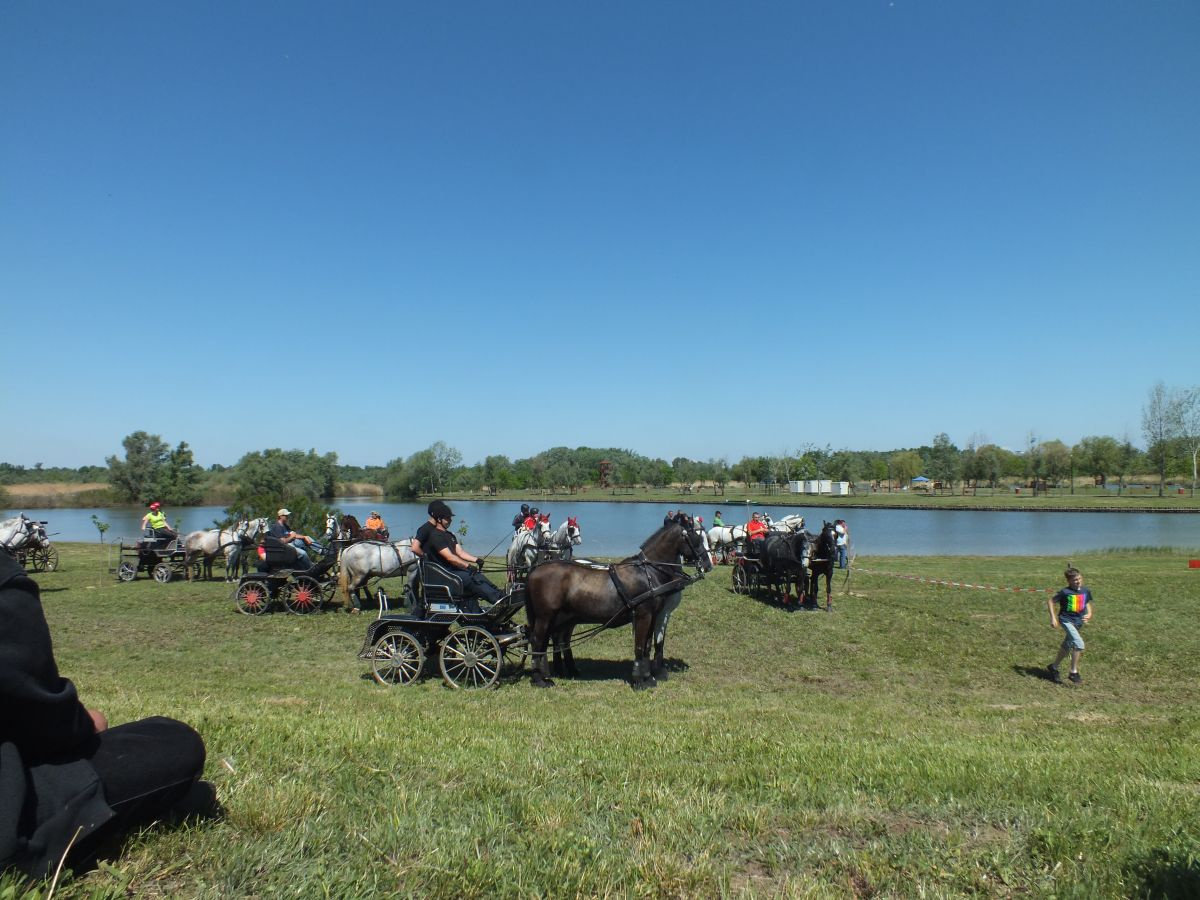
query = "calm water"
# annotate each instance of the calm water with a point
(616, 529)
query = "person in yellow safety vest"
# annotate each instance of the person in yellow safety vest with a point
(154, 524)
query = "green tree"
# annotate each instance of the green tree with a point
(1188, 427)
(1160, 418)
(1097, 455)
(906, 465)
(180, 480)
(1056, 460)
(286, 474)
(944, 462)
(134, 479)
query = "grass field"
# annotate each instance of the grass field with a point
(907, 744)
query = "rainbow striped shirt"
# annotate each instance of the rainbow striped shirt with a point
(1073, 602)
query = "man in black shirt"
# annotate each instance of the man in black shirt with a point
(68, 782)
(436, 542)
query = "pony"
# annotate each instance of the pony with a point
(641, 590)
(824, 556)
(20, 531)
(355, 532)
(524, 551)
(362, 561)
(230, 541)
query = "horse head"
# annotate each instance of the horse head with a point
(573, 530)
(686, 542)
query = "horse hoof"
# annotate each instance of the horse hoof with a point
(543, 683)
(644, 684)
(661, 674)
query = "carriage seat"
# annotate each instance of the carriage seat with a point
(275, 555)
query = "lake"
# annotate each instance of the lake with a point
(616, 529)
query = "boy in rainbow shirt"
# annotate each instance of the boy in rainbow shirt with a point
(1074, 604)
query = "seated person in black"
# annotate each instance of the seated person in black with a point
(519, 518)
(440, 545)
(68, 780)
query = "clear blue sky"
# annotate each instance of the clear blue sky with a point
(685, 228)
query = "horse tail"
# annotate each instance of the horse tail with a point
(343, 586)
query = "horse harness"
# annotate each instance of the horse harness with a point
(676, 581)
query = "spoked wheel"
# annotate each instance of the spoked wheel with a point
(516, 653)
(162, 573)
(44, 559)
(303, 596)
(397, 658)
(126, 571)
(252, 598)
(470, 658)
(741, 582)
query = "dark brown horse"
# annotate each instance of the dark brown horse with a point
(355, 532)
(641, 590)
(824, 555)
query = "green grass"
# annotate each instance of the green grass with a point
(904, 745)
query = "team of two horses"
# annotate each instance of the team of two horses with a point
(799, 558)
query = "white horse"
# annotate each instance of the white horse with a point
(209, 543)
(372, 559)
(789, 524)
(19, 531)
(523, 551)
(566, 537)
(723, 538)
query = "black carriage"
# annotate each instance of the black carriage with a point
(38, 554)
(160, 559)
(473, 650)
(753, 575)
(278, 580)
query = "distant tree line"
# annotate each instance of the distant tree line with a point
(151, 469)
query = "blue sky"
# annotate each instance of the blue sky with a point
(685, 228)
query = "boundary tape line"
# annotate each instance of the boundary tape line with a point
(958, 584)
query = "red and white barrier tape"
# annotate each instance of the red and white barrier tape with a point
(958, 584)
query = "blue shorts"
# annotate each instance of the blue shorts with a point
(1072, 640)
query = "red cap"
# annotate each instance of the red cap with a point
(155, 505)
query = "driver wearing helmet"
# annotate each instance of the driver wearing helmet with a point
(437, 542)
(154, 524)
(519, 519)
(531, 520)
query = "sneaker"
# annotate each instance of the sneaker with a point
(1055, 676)
(1075, 679)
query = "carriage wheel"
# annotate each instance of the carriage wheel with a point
(252, 598)
(162, 573)
(740, 585)
(303, 596)
(516, 653)
(470, 658)
(126, 571)
(44, 559)
(397, 658)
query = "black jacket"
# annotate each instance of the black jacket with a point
(47, 786)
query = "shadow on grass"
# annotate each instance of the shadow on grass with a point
(1167, 872)
(614, 669)
(1034, 672)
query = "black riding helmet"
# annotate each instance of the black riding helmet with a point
(525, 508)
(439, 510)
